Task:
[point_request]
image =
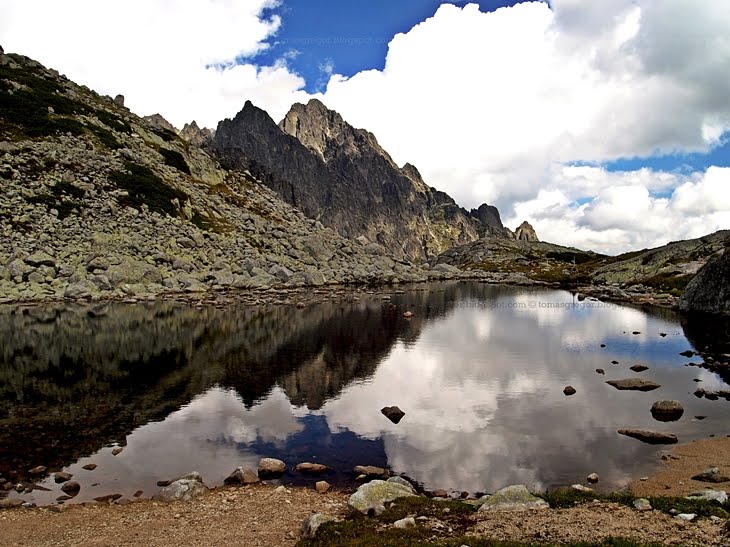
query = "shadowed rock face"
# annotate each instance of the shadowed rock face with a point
(340, 175)
(525, 232)
(709, 291)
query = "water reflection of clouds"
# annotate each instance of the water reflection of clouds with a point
(482, 392)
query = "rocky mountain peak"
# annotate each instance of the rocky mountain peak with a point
(196, 135)
(525, 232)
(159, 121)
(326, 133)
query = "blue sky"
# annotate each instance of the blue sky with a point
(320, 37)
(346, 36)
(548, 111)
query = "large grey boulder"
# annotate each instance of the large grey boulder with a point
(709, 290)
(513, 498)
(371, 498)
(312, 523)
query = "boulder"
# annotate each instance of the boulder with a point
(311, 524)
(709, 290)
(402, 482)
(667, 411)
(649, 437)
(639, 368)
(242, 475)
(513, 498)
(711, 475)
(408, 522)
(62, 476)
(635, 384)
(271, 468)
(393, 413)
(181, 490)
(371, 498)
(40, 258)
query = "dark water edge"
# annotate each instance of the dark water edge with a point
(478, 371)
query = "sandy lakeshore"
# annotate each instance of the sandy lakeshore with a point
(260, 515)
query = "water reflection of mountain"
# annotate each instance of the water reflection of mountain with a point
(73, 378)
(709, 334)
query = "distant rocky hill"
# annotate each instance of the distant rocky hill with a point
(98, 202)
(340, 175)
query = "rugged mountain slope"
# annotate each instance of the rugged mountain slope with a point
(340, 175)
(98, 201)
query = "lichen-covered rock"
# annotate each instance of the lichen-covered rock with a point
(271, 468)
(181, 490)
(371, 497)
(513, 498)
(312, 523)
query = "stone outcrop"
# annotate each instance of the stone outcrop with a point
(197, 136)
(525, 232)
(709, 291)
(340, 175)
(513, 498)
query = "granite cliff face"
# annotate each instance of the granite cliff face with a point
(340, 175)
(709, 291)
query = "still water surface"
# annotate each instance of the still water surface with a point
(479, 371)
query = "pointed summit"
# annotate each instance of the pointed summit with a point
(525, 232)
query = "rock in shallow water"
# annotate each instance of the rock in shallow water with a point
(649, 437)
(271, 468)
(667, 411)
(393, 413)
(514, 498)
(242, 475)
(636, 384)
(569, 390)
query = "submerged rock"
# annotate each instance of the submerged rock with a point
(371, 498)
(370, 471)
(393, 413)
(635, 384)
(649, 437)
(514, 498)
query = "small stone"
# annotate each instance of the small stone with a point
(569, 390)
(408, 522)
(689, 517)
(311, 524)
(116, 451)
(639, 368)
(280, 489)
(649, 437)
(90, 466)
(38, 470)
(322, 486)
(636, 384)
(62, 476)
(440, 493)
(592, 478)
(688, 353)
(138, 493)
(371, 471)
(642, 504)
(107, 498)
(581, 488)
(71, 488)
(408, 314)
(600, 371)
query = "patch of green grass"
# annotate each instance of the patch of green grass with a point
(175, 159)
(670, 283)
(145, 187)
(26, 109)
